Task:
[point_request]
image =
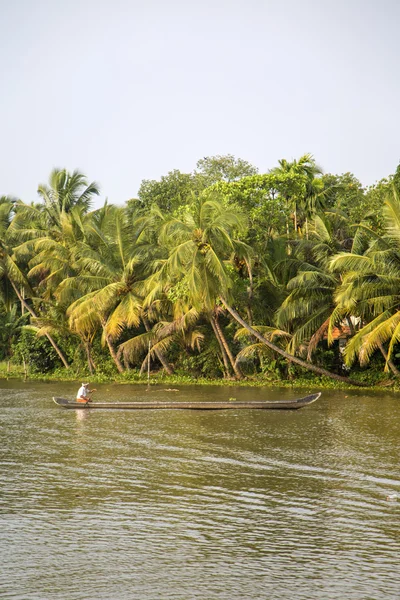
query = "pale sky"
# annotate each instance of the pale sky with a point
(126, 90)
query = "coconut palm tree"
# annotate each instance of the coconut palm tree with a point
(106, 292)
(64, 241)
(309, 312)
(49, 232)
(66, 191)
(370, 288)
(103, 290)
(51, 248)
(200, 245)
(10, 271)
(311, 197)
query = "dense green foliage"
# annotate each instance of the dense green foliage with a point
(219, 273)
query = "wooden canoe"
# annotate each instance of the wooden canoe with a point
(193, 405)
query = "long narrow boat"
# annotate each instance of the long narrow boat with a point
(194, 405)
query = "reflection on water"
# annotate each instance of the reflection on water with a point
(181, 504)
(81, 415)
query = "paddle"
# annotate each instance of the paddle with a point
(89, 399)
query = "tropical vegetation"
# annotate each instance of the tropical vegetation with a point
(221, 273)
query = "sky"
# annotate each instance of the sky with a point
(126, 90)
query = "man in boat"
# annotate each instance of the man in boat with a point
(83, 394)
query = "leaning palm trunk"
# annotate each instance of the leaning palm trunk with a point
(111, 348)
(390, 364)
(33, 314)
(144, 364)
(249, 293)
(160, 355)
(22, 305)
(289, 357)
(225, 344)
(223, 351)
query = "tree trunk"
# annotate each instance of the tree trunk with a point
(32, 313)
(390, 364)
(287, 220)
(289, 357)
(126, 363)
(160, 355)
(144, 365)
(223, 352)
(111, 348)
(350, 324)
(225, 344)
(249, 293)
(113, 353)
(89, 358)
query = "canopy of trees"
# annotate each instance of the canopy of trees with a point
(221, 272)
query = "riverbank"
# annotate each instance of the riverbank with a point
(158, 377)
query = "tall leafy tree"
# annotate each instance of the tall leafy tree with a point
(170, 192)
(224, 168)
(308, 200)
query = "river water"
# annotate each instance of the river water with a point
(185, 505)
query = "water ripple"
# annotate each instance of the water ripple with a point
(189, 505)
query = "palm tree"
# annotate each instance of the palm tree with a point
(50, 251)
(54, 229)
(307, 168)
(200, 245)
(370, 288)
(278, 350)
(155, 341)
(10, 271)
(7, 294)
(310, 311)
(106, 290)
(49, 234)
(65, 191)
(257, 349)
(196, 242)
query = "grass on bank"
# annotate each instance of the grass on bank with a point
(12, 371)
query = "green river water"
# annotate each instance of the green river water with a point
(242, 504)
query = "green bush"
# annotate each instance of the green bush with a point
(207, 364)
(37, 352)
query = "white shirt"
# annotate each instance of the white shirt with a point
(83, 392)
